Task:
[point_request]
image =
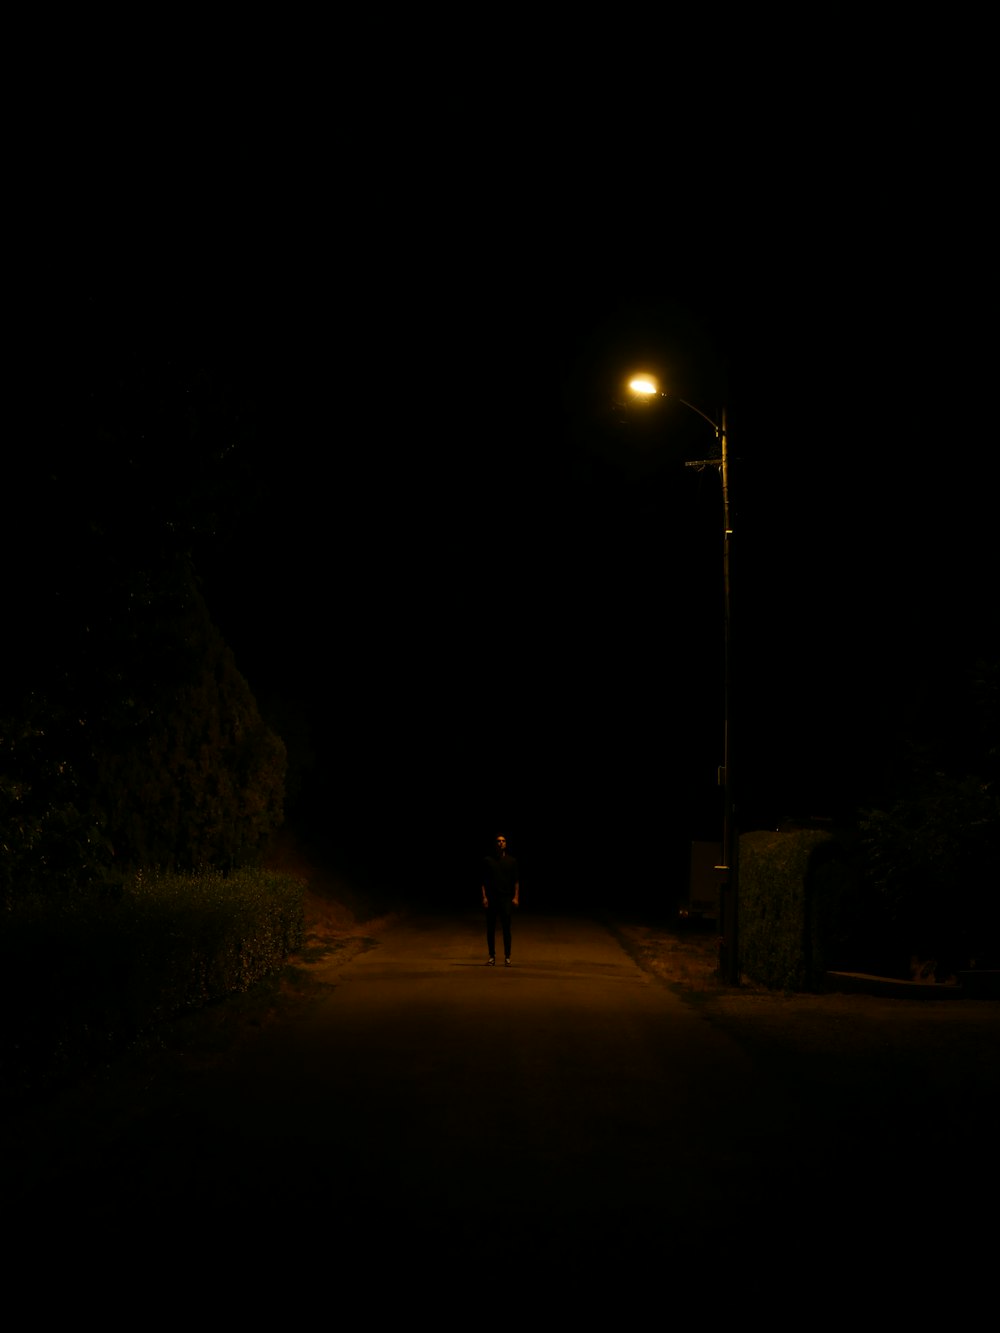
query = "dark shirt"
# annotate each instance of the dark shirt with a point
(500, 877)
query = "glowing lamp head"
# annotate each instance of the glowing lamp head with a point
(644, 385)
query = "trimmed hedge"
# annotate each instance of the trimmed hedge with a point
(85, 975)
(792, 888)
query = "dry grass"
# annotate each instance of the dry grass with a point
(949, 1037)
(339, 917)
(686, 958)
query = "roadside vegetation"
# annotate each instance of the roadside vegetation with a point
(88, 975)
(141, 784)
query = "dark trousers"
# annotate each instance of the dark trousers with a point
(498, 907)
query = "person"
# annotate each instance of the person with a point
(501, 893)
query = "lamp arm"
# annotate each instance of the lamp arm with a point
(712, 423)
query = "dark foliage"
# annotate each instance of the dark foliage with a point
(192, 776)
(930, 850)
(152, 752)
(103, 971)
(931, 863)
(127, 735)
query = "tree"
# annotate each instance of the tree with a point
(127, 735)
(186, 770)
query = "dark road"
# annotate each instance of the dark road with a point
(568, 1116)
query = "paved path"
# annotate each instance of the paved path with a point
(430, 1114)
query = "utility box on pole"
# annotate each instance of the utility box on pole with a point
(704, 883)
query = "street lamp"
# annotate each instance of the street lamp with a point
(644, 386)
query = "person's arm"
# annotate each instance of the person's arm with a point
(486, 901)
(517, 890)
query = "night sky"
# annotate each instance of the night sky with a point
(475, 590)
(494, 586)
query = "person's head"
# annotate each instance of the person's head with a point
(501, 845)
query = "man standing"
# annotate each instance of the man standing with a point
(500, 894)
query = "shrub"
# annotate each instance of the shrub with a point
(52, 837)
(930, 862)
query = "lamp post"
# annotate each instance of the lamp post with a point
(646, 387)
